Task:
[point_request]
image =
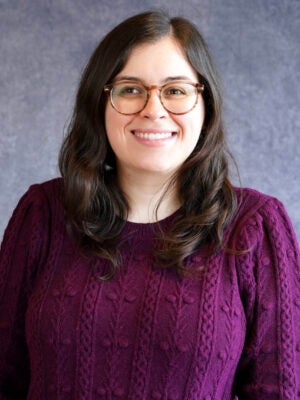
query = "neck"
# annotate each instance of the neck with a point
(144, 192)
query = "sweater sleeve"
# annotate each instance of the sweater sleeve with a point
(269, 274)
(22, 252)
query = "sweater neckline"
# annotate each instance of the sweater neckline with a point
(162, 221)
(150, 227)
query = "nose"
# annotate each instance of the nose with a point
(154, 109)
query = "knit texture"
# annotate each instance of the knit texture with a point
(231, 332)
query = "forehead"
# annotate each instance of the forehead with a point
(153, 62)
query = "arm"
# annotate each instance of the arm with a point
(22, 251)
(270, 290)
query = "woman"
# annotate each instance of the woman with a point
(142, 273)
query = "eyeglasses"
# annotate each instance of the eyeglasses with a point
(177, 97)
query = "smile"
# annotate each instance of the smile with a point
(153, 135)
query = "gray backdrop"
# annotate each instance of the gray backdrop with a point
(255, 43)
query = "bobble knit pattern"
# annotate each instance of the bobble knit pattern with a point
(231, 332)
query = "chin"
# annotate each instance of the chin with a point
(163, 170)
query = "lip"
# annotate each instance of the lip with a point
(153, 130)
(154, 137)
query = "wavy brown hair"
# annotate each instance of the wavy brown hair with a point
(96, 208)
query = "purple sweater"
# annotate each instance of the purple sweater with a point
(233, 332)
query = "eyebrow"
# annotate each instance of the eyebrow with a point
(167, 79)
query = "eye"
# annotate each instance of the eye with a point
(176, 91)
(128, 90)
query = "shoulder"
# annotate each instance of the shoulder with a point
(257, 215)
(251, 201)
(51, 189)
(47, 195)
(37, 206)
(38, 214)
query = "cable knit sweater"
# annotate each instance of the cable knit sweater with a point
(231, 332)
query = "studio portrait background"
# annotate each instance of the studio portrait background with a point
(46, 44)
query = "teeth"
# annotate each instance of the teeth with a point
(153, 136)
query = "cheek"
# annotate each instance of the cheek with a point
(191, 125)
(114, 123)
(198, 120)
(111, 123)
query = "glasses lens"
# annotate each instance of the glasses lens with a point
(179, 97)
(128, 97)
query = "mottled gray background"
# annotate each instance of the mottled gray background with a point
(45, 45)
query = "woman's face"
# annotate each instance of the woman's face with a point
(154, 140)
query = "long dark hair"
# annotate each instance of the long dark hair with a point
(96, 208)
